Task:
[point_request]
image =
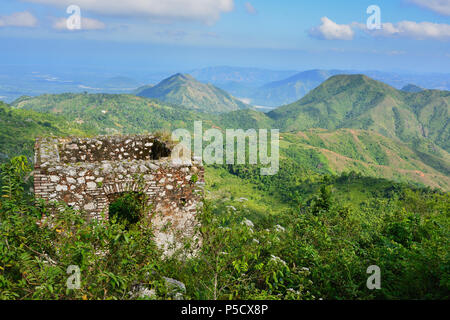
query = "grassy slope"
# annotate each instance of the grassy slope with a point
(112, 114)
(19, 128)
(369, 153)
(243, 195)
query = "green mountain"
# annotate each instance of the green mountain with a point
(288, 90)
(412, 88)
(356, 101)
(184, 90)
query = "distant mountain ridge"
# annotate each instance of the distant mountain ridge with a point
(290, 89)
(253, 77)
(185, 90)
(275, 88)
(412, 88)
(239, 81)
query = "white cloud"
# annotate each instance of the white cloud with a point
(250, 8)
(204, 10)
(439, 6)
(86, 24)
(411, 30)
(19, 19)
(329, 30)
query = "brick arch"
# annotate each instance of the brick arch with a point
(122, 186)
(112, 191)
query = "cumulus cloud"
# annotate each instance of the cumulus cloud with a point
(439, 6)
(19, 19)
(411, 30)
(204, 10)
(330, 30)
(250, 8)
(86, 24)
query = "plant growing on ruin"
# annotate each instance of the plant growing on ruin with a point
(128, 208)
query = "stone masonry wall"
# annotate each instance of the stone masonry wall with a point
(88, 173)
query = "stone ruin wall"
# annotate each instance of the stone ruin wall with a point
(89, 173)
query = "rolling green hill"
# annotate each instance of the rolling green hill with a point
(356, 101)
(368, 153)
(183, 89)
(19, 128)
(112, 113)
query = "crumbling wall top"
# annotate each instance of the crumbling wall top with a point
(99, 149)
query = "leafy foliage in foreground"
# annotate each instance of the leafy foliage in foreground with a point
(318, 249)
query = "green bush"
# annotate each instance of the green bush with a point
(128, 208)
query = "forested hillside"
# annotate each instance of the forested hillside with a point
(112, 114)
(356, 101)
(19, 128)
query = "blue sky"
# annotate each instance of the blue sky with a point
(179, 35)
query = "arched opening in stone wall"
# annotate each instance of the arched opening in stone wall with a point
(127, 208)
